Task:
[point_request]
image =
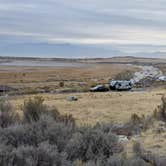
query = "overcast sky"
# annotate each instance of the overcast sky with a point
(129, 26)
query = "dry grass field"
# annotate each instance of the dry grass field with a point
(28, 75)
(90, 108)
(30, 80)
(150, 141)
(101, 107)
(154, 142)
(128, 59)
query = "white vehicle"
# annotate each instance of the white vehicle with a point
(120, 85)
(162, 78)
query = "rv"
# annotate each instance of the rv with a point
(120, 85)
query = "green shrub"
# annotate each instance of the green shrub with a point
(135, 118)
(43, 155)
(90, 144)
(160, 112)
(137, 162)
(61, 84)
(162, 108)
(126, 75)
(33, 108)
(45, 137)
(137, 149)
(7, 115)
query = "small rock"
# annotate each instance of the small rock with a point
(161, 124)
(122, 138)
(72, 98)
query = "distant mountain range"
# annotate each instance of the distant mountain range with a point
(57, 50)
(68, 51)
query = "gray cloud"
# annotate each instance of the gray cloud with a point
(86, 22)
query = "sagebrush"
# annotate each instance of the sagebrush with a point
(44, 137)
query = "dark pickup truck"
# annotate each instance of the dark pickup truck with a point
(99, 88)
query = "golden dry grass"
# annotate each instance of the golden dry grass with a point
(108, 107)
(90, 108)
(51, 76)
(128, 59)
(150, 141)
(101, 107)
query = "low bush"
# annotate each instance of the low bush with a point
(61, 84)
(126, 75)
(137, 149)
(135, 118)
(118, 160)
(160, 111)
(137, 123)
(44, 137)
(7, 115)
(90, 144)
(33, 108)
(43, 155)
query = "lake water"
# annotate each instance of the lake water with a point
(28, 63)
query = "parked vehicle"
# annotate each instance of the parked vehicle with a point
(99, 88)
(120, 85)
(162, 78)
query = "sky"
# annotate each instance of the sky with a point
(83, 28)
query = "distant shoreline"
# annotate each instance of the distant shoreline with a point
(64, 62)
(72, 59)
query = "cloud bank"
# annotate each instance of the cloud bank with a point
(115, 27)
